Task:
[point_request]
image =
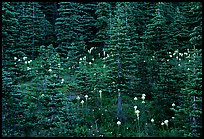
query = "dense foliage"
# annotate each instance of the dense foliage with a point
(101, 69)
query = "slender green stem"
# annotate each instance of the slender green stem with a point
(139, 127)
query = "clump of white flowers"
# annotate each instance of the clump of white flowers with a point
(15, 58)
(78, 98)
(19, 59)
(162, 123)
(100, 92)
(118, 123)
(166, 122)
(86, 96)
(28, 68)
(135, 107)
(62, 81)
(137, 112)
(82, 102)
(135, 98)
(152, 120)
(50, 70)
(24, 58)
(89, 63)
(29, 61)
(173, 105)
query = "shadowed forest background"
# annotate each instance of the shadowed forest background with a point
(102, 69)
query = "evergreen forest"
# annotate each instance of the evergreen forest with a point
(101, 69)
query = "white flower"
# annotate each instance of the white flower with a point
(42, 95)
(26, 62)
(29, 61)
(93, 59)
(104, 66)
(80, 58)
(67, 57)
(19, 60)
(162, 123)
(135, 98)
(179, 64)
(135, 107)
(144, 60)
(118, 90)
(143, 101)
(173, 105)
(137, 111)
(28, 68)
(15, 63)
(62, 80)
(89, 63)
(166, 122)
(15, 58)
(170, 55)
(152, 120)
(188, 69)
(100, 91)
(24, 58)
(173, 117)
(82, 102)
(94, 73)
(143, 97)
(50, 70)
(118, 123)
(86, 96)
(41, 66)
(177, 57)
(113, 82)
(78, 98)
(167, 59)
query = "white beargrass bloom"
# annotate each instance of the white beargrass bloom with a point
(173, 105)
(167, 59)
(135, 98)
(135, 107)
(100, 91)
(170, 55)
(82, 102)
(29, 61)
(94, 73)
(89, 63)
(162, 123)
(137, 111)
(50, 70)
(62, 80)
(143, 101)
(104, 66)
(78, 98)
(166, 122)
(143, 97)
(24, 58)
(26, 62)
(86, 96)
(188, 69)
(173, 117)
(152, 120)
(92, 59)
(15, 58)
(179, 65)
(19, 59)
(28, 68)
(118, 123)
(143, 94)
(42, 95)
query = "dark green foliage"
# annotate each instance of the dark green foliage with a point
(95, 69)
